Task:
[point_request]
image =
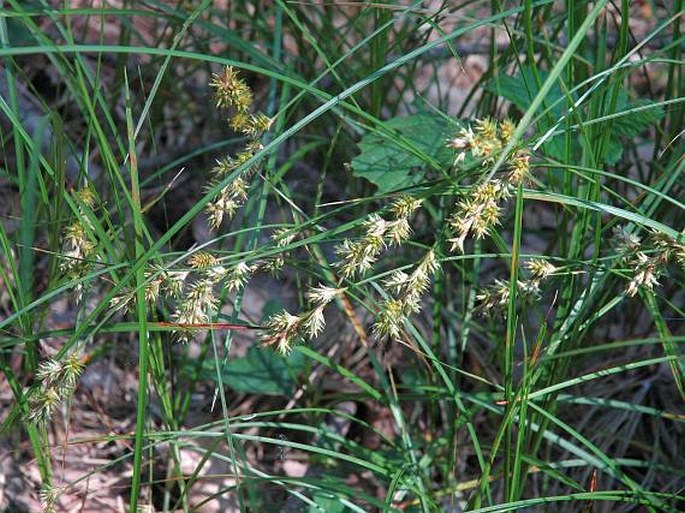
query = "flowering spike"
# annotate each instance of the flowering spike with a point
(389, 319)
(321, 295)
(281, 331)
(202, 260)
(540, 269)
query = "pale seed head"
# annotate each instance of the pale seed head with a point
(313, 322)
(540, 269)
(405, 206)
(321, 295)
(202, 260)
(389, 319)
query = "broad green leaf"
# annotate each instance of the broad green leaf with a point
(17, 31)
(636, 122)
(261, 371)
(520, 89)
(326, 503)
(631, 124)
(398, 156)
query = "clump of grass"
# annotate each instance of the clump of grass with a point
(499, 390)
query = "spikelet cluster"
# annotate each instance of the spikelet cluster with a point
(480, 209)
(57, 379)
(231, 93)
(192, 291)
(493, 300)
(49, 495)
(197, 302)
(485, 140)
(406, 291)
(282, 237)
(647, 261)
(78, 248)
(160, 283)
(358, 256)
(477, 213)
(283, 330)
(670, 249)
